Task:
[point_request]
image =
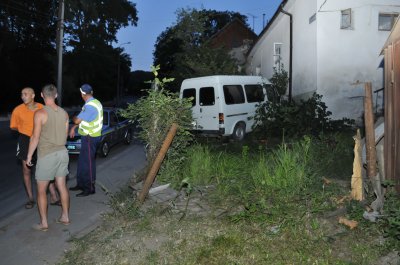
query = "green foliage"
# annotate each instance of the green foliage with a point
(28, 52)
(391, 217)
(285, 171)
(182, 48)
(293, 119)
(156, 113)
(279, 82)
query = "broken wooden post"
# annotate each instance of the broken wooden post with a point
(356, 179)
(369, 132)
(151, 175)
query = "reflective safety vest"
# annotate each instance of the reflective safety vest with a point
(92, 128)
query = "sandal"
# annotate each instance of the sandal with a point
(56, 203)
(59, 221)
(29, 205)
(39, 227)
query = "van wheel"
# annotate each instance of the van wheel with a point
(128, 137)
(239, 132)
(104, 149)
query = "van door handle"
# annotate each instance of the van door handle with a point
(201, 109)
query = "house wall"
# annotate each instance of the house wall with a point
(326, 59)
(347, 58)
(261, 58)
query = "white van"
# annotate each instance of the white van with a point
(224, 105)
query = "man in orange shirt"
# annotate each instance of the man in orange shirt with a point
(22, 121)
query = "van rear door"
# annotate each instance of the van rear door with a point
(208, 110)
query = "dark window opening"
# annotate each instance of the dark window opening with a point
(254, 93)
(233, 94)
(190, 93)
(207, 96)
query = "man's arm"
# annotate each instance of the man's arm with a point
(38, 121)
(67, 122)
(13, 121)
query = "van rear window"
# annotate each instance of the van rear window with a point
(233, 94)
(190, 93)
(207, 96)
(254, 93)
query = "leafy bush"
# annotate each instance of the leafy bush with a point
(292, 119)
(155, 114)
(279, 82)
(391, 217)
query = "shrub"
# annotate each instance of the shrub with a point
(291, 119)
(155, 114)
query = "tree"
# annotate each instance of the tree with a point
(182, 49)
(91, 28)
(27, 51)
(27, 45)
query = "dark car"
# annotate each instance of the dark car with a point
(115, 129)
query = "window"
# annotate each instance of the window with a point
(105, 118)
(207, 96)
(190, 93)
(277, 55)
(233, 94)
(113, 119)
(386, 21)
(346, 21)
(312, 18)
(254, 93)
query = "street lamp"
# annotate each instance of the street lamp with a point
(118, 71)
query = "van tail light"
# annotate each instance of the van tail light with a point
(221, 118)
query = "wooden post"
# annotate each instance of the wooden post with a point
(369, 132)
(151, 175)
(356, 179)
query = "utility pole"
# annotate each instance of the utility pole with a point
(59, 44)
(118, 72)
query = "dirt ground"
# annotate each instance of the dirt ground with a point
(170, 226)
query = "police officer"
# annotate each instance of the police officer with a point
(90, 122)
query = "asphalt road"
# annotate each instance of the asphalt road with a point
(12, 193)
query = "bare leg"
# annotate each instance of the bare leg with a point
(64, 195)
(53, 192)
(26, 171)
(42, 201)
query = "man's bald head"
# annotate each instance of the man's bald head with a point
(27, 95)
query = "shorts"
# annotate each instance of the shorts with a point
(52, 165)
(23, 146)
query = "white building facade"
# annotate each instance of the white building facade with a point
(335, 49)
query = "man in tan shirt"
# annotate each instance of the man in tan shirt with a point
(49, 137)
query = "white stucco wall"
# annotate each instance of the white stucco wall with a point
(349, 57)
(261, 56)
(327, 59)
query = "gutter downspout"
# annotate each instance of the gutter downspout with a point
(291, 51)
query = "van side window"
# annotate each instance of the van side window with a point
(207, 96)
(233, 94)
(254, 93)
(190, 93)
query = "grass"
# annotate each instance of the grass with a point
(263, 207)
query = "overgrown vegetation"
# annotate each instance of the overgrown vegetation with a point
(251, 218)
(155, 114)
(252, 204)
(293, 119)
